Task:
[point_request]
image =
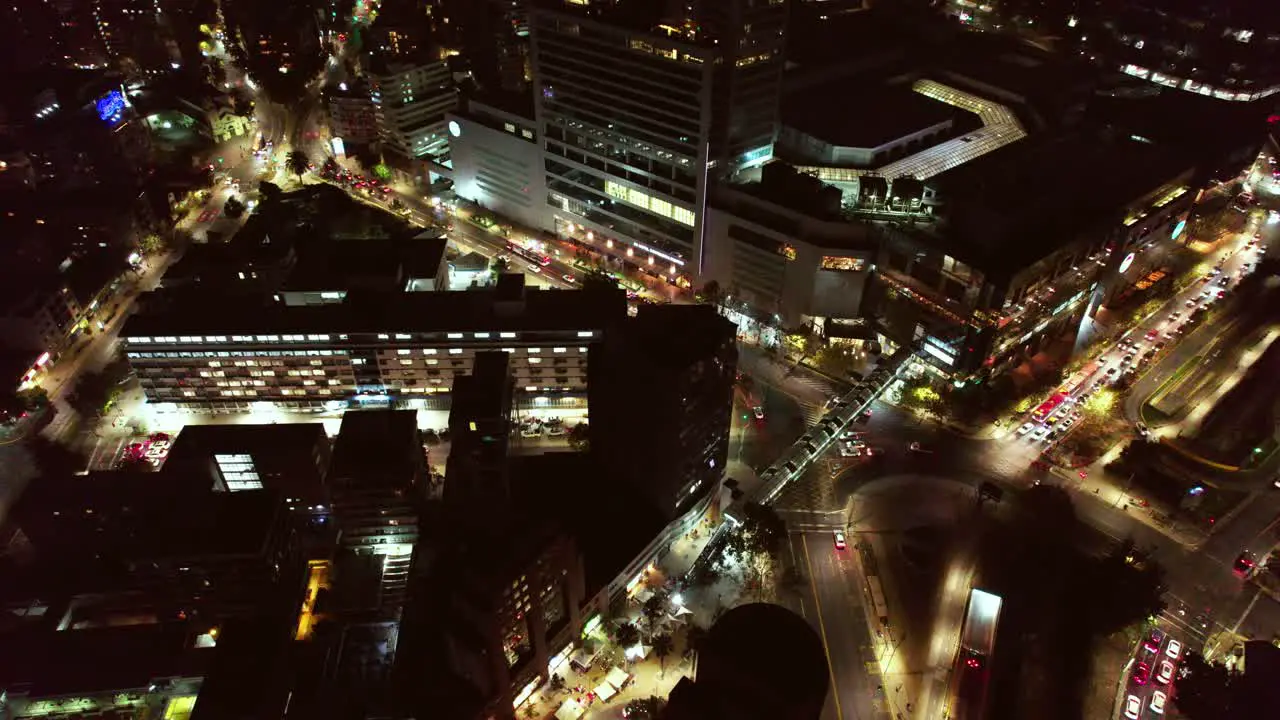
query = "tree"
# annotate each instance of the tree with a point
(694, 637)
(762, 531)
(627, 635)
(1202, 691)
(644, 708)
(579, 437)
(94, 392)
(662, 647)
(297, 163)
(1127, 588)
(556, 683)
(53, 458)
(381, 171)
(234, 208)
(150, 243)
(654, 608)
(711, 293)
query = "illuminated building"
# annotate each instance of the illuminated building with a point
(410, 98)
(497, 159)
(673, 102)
(352, 114)
(240, 350)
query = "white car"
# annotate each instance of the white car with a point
(1040, 433)
(1174, 649)
(1133, 707)
(1165, 673)
(1158, 699)
(1026, 428)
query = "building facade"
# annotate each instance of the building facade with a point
(497, 161)
(399, 344)
(410, 99)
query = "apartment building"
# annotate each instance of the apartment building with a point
(410, 98)
(226, 353)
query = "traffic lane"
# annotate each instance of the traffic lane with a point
(838, 608)
(764, 367)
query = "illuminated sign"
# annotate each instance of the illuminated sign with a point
(843, 263)
(1128, 260)
(455, 129)
(1177, 229)
(339, 147)
(938, 353)
(111, 107)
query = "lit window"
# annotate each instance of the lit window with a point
(403, 352)
(455, 336)
(481, 336)
(429, 351)
(455, 351)
(534, 351)
(506, 335)
(534, 361)
(559, 350)
(586, 333)
(433, 362)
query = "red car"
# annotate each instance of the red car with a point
(1141, 673)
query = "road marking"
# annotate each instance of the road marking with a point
(822, 628)
(1247, 610)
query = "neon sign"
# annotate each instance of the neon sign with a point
(1128, 260)
(1177, 230)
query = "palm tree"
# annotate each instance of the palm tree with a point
(626, 635)
(298, 163)
(693, 639)
(662, 647)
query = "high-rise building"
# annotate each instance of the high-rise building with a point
(410, 98)
(640, 108)
(682, 359)
(378, 482)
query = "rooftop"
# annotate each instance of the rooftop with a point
(381, 312)
(376, 447)
(112, 517)
(384, 262)
(1049, 188)
(284, 456)
(844, 114)
(99, 660)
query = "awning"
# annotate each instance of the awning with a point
(571, 709)
(617, 677)
(605, 691)
(638, 651)
(582, 658)
(644, 595)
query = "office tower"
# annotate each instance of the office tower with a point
(411, 96)
(637, 107)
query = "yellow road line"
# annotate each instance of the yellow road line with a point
(822, 627)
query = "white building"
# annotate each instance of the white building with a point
(410, 101)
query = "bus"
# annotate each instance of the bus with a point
(877, 599)
(527, 254)
(977, 643)
(1078, 381)
(1047, 407)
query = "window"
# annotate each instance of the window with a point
(506, 335)
(455, 351)
(843, 264)
(455, 336)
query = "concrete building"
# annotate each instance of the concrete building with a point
(378, 481)
(229, 354)
(352, 113)
(411, 97)
(630, 155)
(497, 157)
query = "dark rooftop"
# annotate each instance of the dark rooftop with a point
(284, 456)
(374, 312)
(137, 517)
(677, 334)
(375, 447)
(846, 114)
(1047, 187)
(374, 262)
(100, 659)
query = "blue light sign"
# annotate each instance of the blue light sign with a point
(1177, 229)
(111, 107)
